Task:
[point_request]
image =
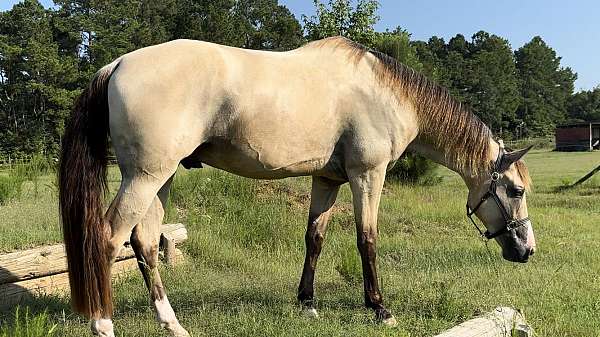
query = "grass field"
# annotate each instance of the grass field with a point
(245, 252)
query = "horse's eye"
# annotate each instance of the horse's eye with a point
(516, 192)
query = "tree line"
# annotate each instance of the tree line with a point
(47, 55)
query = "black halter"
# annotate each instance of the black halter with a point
(510, 223)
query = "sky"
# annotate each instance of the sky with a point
(572, 28)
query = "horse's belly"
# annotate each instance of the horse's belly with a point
(247, 161)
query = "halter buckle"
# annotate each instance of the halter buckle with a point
(495, 176)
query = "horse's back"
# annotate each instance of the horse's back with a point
(254, 113)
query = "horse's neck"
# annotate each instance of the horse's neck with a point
(439, 156)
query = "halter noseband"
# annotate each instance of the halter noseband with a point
(510, 223)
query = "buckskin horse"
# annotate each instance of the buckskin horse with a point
(331, 109)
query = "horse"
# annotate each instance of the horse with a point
(332, 109)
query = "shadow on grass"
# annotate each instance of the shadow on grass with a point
(15, 297)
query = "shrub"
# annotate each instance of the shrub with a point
(37, 167)
(349, 265)
(414, 169)
(11, 185)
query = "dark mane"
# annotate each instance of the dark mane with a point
(444, 122)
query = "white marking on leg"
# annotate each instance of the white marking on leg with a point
(310, 313)
(102, 327)
(166, 317)
(390, 321)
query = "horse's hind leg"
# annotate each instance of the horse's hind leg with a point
(135, 196)
(145, 241)
(322, 198)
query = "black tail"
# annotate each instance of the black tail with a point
(82, 186)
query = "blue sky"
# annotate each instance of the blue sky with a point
(572, 30)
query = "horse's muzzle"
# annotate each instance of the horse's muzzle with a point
(519, 255)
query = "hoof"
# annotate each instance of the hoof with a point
(390, 321)
(102, 328)
(383, 316)
(177, 331)
(310, 313)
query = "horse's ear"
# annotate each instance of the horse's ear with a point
(512, 157)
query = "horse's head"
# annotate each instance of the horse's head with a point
(498, 199)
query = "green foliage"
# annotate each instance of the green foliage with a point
(349, 265)
(545, 87)
(10, 185)
(242, 23)
(396, 44)
(492, 81)
(481, 73)
(29, 325)
(205, 193)
(516, 95)
(49, 55)
(584, 106)
(414, 169)
(339, 17)
(36, 82)
(31, 169)
(267, 25)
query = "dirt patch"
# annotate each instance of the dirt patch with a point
(294, 198)
(266, 189)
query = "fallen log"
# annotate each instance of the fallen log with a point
(50, 260)
(58, 284)
(586, 177)
(502, 322)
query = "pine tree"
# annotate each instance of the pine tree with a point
(545, 87)
(492, 82)
(36, 87)
(267, 25)
(584, 106)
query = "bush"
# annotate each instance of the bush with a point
(11, 185)
(349, 265)
(36, 167)
(414, 169)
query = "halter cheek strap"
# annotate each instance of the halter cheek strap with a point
(510, 223)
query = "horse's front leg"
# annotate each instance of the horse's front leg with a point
(366, 193)
(322, 198)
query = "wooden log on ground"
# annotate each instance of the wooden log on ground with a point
(586, 177)
(51, 260)
(170, 255)
(502, 322)
(58, 284)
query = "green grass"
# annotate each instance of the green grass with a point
(28, 325)
(246, 247)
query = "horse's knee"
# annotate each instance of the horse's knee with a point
(366, 242)
(314, 237)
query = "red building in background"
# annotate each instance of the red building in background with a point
(584, 136)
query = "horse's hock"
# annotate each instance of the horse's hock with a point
(43, 270)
